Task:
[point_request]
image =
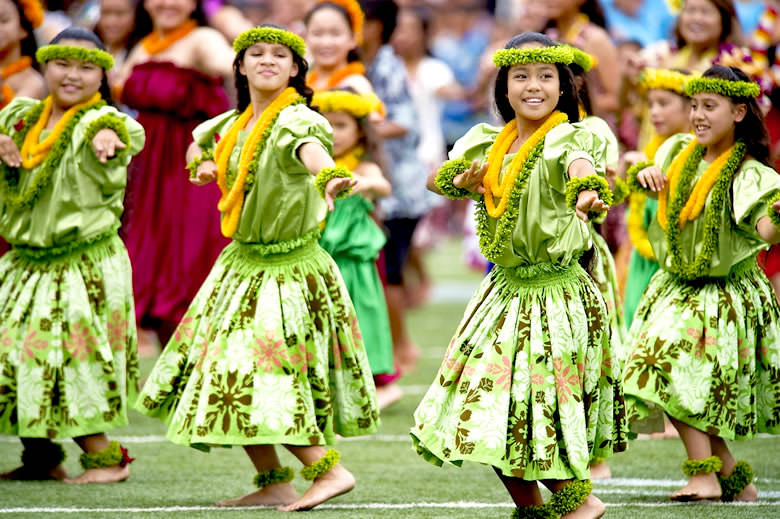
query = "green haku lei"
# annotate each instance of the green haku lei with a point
(718, 197)
(631, 177)
(592, 182)
(733, 484)
(327, 174)
(98, 57)
(10, 177)
(722, 87)
(448, 171)
(273, 476)
(108, 457)
(621, 191)
(581, 58)
(703, 466)
(510, 57)
(200, 159)
(571, 497)
(774, 217)
(320, 467)
(535, 512)
(270, 35)
(111, 122)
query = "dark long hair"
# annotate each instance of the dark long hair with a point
(142, 25)
(567, 102)
(353, 54)
(383, 11)
(729, 23)
(298, 81)
(75, 32)
(751, 129)
(583, 92)
(28, 44)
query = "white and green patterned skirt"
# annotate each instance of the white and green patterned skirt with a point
(68, 364)
(527, 384)
(269, 352)
(604, 274)
(708, 353)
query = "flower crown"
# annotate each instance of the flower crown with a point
(98, 57)
(584, 60)
(722, 87)
(556, 54)
(357, 105)
(356, 16)
(664, 79)
(270, 35)
(33, 11)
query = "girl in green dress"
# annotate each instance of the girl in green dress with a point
(68, 365)
(527, 385)
(269, 351)
(705, 342)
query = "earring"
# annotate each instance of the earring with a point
(561, 92)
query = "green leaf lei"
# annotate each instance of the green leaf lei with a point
(270, 35)
(200, 159)
(722, 87)
(621, 191)
(448, 171)
(327, 174)
(97, 57)
(771, 213)
(108, 457)
(718, 196)
(112, 122)
(10, 177)
(631, 180)
(511, 57)
(272, 476)
(702, 466)
(320, 467)
(571, 497)
(535, 512)
(591, 182)
(733, 484)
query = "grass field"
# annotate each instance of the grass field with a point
(173, 481)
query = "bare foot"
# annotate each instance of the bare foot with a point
(592, 508)
(750, 494)
(113, 474)
(700, 487)
(407, 355)
(25, 473)
(335, 482)
(272, 495)
(600, 471)
(388, 395)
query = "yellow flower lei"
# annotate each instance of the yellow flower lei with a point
(34, 152)
(232, 199)
(494, 188)
(352, 158)
(636, 206)
(356, 105)
(674, 174)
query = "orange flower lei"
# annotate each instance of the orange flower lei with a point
(34, 152)
(33, 11)
(6, 95)
(232, 199)
(356, 16)
(500, 190)
(350, 69)
(154, 43)
(15, 67)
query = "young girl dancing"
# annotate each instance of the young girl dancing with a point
(527, 384)
(270, 351)
(704, 343)
(68, 365)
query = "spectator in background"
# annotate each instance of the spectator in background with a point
(120, 29)
(642, 21)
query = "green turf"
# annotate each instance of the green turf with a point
(165, 475)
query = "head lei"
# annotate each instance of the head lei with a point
(357, 105)
(724, 87)
(664, 79)
(581, 58)
(562, 54)
(33, 11)
(98, 57)
(270, 35)
(356, 16)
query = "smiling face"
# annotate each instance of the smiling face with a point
(346, 132)
(533, 90)
(116, 21)
(669, 112)
(71, 81)
(11, 32)
(268, 66)
(329, 37)
(700, 23)
(713, 118)
(167, 15)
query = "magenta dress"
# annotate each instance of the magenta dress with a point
(171, 227)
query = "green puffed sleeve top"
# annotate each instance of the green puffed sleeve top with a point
(599, 126)
(752, 187)
(547, 230)
(83, 198)
(282, 203)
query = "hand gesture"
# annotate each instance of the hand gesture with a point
(105, 144)
(471, 179)
(588, 201)
(652, 178)
(9, 153)
(206, 172)
(336, 186)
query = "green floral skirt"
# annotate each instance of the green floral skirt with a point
(604, 274)
(708, 353)
(68, 364)
(269, 352)
(527, 384)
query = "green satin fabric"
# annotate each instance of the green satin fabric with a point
(738, 238)
(84, 198)
(282, 203)
(600, 127)
(547, 230)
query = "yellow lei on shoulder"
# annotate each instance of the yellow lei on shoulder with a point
(636, 228)
(351, 159)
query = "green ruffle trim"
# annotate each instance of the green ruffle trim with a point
(318, 468)
(733, 484)
(582, 59)
(272, 476)
(621, 191)
(774, 217)
(535, 512)
(43, 459)
(98, 57)
(270, 35)
(108, 457)
(633, 184)
(447, 173)
(327, 174)
(592, 182)
(111, 122)
(51, 253)
(511, 57)
(722, 87)
(9, 177)
(571, 497)
(281, 247)
(197, 161)
(702, 466)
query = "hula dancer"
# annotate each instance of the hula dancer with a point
(270, 351)
(18, 74)
(68, 365)
(527, 384)
(704, 343)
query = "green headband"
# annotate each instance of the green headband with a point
(98, 57)
(511, 57)
(583, 59)
(722, 87)
(270, 35)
